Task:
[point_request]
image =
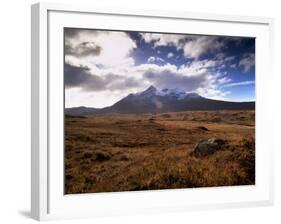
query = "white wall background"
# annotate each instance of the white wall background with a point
(15, 110)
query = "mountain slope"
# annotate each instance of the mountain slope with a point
(80, 111)
(167, 100)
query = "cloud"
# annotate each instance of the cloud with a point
(193, 46)
(213, 93)
(244, 83)
(81, 77)
(202, 45)
(224, 80)
(91, 47)
(159, 39)
(155, 59)
(230, 58)
(151, 59)
(170, 55)
(165, 78)
(192, 77)
(83, 49)
(75, 75)
(189, 77)
(247, 62)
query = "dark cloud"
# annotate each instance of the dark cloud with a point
(71, 33)
(80, 77)
(83, 49)
(117, 82)
(169, 79)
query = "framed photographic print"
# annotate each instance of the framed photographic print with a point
(148, 111)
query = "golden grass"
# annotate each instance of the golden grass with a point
(155, 151)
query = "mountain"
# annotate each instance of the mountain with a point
(153, 100)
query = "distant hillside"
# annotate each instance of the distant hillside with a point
(80, 111)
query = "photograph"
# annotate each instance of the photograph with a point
(157, 110)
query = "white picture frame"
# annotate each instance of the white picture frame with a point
(47, 198)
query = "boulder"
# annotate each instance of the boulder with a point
(208, 147)
(102, 156)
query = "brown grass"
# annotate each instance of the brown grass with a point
(143, 151)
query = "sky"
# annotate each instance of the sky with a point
(101, 67)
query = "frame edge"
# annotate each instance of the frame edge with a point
(35, 177)
(39, 144)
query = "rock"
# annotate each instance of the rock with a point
(208, 147)
(102, 156)
(220, 142)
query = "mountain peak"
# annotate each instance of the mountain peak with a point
(151, 88)
(150, 91)
(176, 93)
